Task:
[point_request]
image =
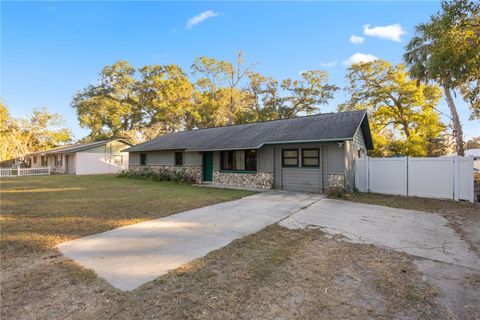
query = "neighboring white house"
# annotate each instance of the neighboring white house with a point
(476, 157)
(83, 158)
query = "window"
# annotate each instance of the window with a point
(290, 158)
(58, 161)
(143, 159)
(310, 158)
(179, 158)
(239, 160)
(44, 161)
(118, 159)
(35, 160)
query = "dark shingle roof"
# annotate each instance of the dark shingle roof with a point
(322, 127)
(72, 148)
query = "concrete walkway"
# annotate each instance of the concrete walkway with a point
(130, 256)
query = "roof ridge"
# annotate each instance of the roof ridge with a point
(274, 120)
(323, 126)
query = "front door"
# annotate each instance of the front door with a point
(207, 166)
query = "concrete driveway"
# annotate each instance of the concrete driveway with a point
(130, 256)
(440, 253)
(417, 233)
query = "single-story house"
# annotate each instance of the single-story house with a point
(98, 157)
(310, 153)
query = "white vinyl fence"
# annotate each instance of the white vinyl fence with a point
(445, 178)
(16, 172)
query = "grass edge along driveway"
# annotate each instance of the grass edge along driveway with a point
(40, 212)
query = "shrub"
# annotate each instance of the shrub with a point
(160, 174)
(339, 193)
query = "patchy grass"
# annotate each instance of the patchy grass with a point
(276, 273)
(41, 212)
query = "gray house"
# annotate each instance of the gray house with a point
(311, 153)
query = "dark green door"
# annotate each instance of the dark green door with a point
(207, 166)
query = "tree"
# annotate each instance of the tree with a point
(166, 95)
(263, 98)
(112, 106)
(270, 100)
(305, 95)
(447, 50)
(402, 114)
(220, 100)
(161, 98)
(41, 130)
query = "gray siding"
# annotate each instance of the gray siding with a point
(265, 159)
(302, 179)
(193, 158)
(308, 179)
(359, 140)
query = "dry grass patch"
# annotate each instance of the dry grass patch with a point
(274, 274)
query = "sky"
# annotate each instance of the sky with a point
(51, 50)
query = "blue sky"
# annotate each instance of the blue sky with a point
(50, 50)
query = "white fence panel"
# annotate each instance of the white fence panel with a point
(464, 189)
(361, 174)
(16, 172)
(6, 172)
(388, 175)
(447, 178)
(431, 177)
(34, 171)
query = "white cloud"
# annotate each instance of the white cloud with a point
(329, 64)
(356, 39)
(360, 57)
(392, 32)
(200, 18)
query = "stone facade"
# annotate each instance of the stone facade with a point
(192, 171)
(336, 181)
(259, 180)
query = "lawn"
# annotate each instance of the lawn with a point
(275, 273)
(40, 212)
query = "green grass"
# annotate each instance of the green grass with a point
(39, 212)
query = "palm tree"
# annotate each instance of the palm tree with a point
(418, 58)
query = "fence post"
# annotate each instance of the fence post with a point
(456, 177)
(407, 172)
(367, 176)
(471, 180)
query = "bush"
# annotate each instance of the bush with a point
(161, 174)
(339, 193)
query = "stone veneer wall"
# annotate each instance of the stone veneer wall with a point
(259, 180)
(336, 181)
(194, 172)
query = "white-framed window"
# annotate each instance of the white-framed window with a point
(58, 160)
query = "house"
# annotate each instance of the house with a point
(310, 153)
(475, 153)
(84, 158)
